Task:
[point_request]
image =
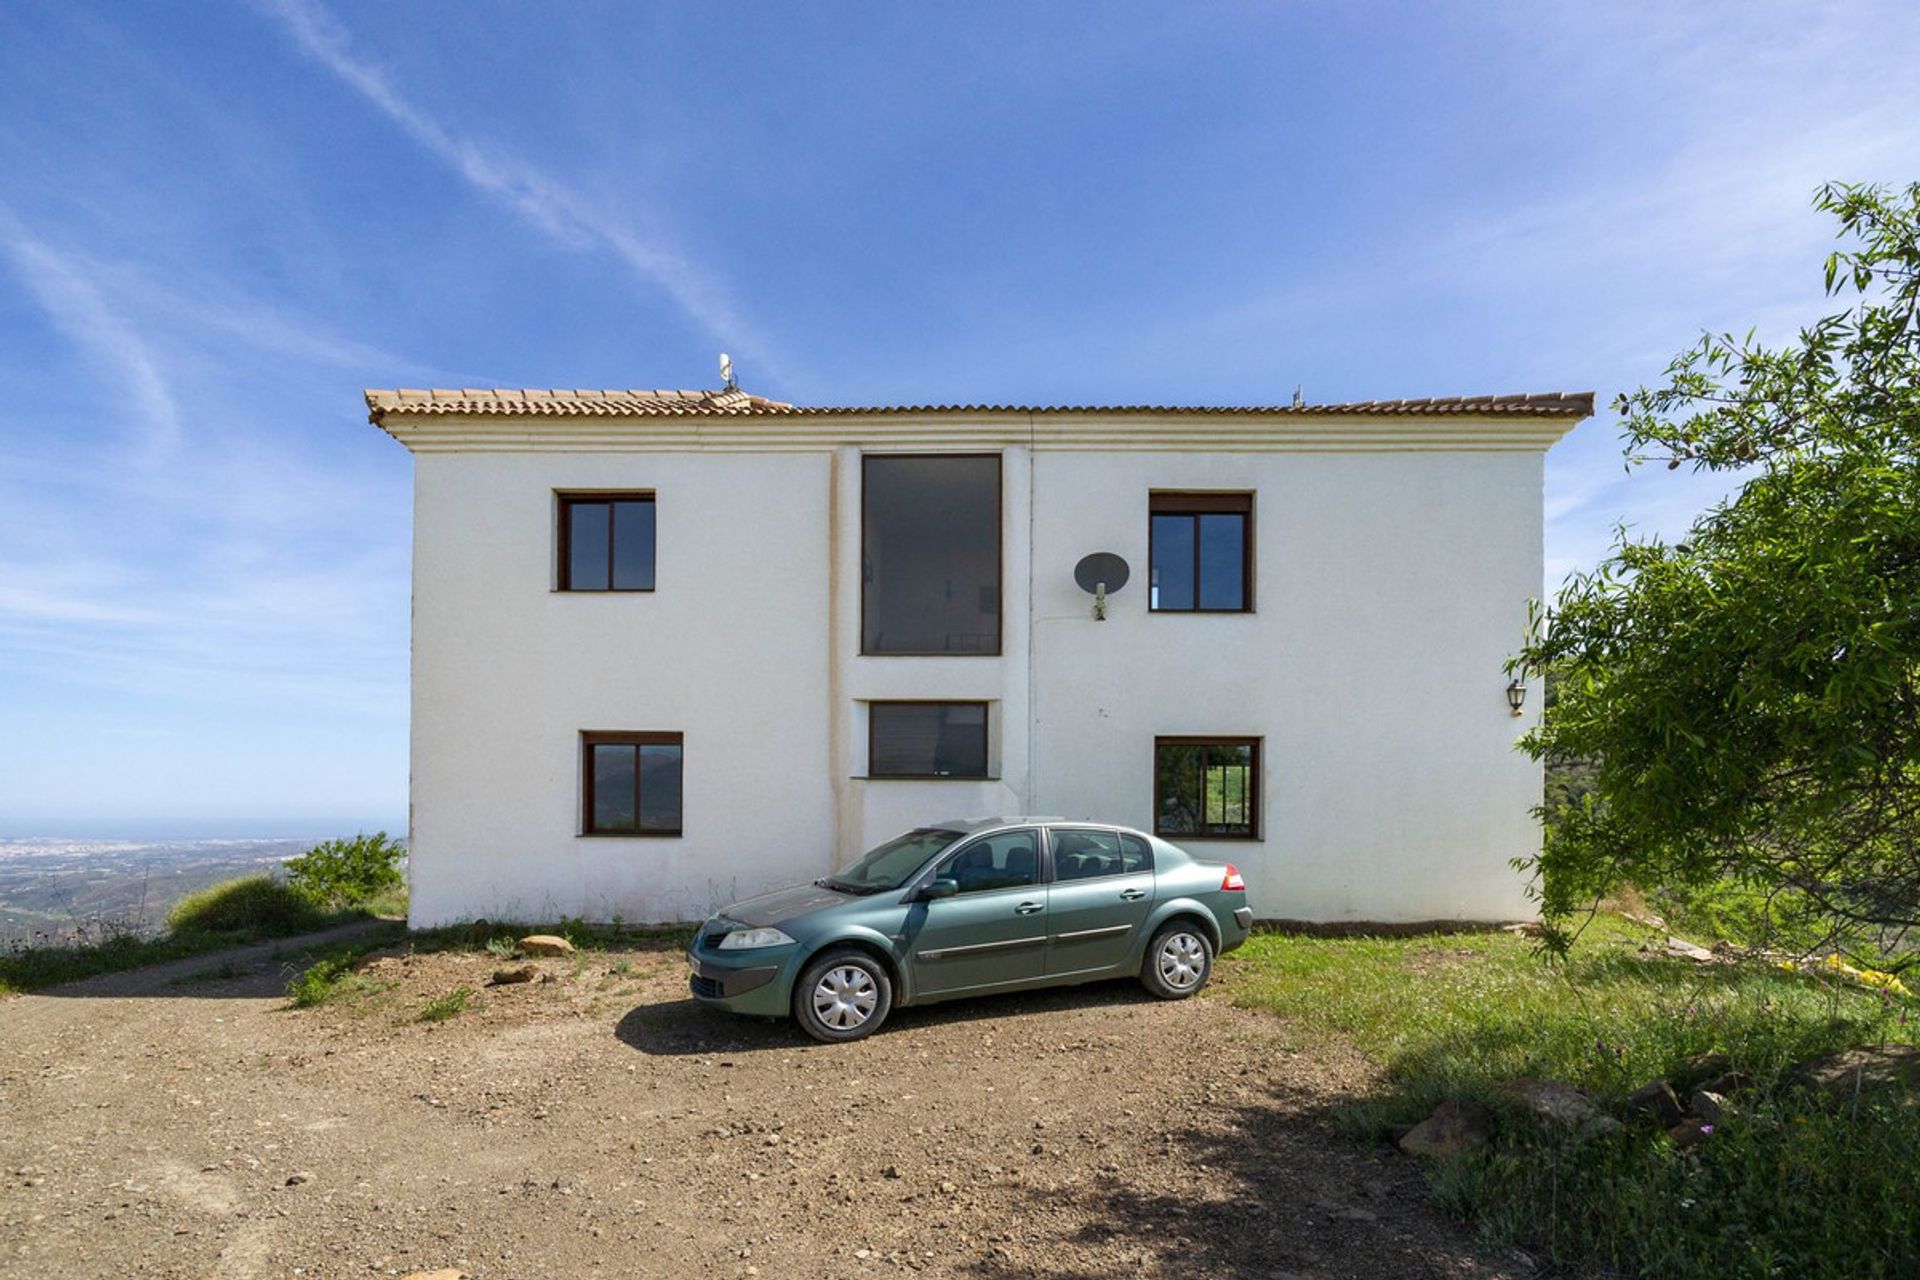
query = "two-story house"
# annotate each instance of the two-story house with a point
(672, 647)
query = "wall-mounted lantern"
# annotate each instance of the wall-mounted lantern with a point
(1516, 695)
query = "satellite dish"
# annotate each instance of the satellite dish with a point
(1100, 567)
(726, 371)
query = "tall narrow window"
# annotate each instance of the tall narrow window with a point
(606, 542)
(930, 554)
(927, 740)
(1201, 553)
(1207, 787)
(630, 784)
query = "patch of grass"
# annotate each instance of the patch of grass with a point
(249, 904)
(390, 904)
(333, 978)
(1785, 1188)
(440, 1008)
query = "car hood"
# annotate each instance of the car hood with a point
(783, 905)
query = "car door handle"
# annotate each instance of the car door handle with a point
(1133, 895)
(1027, 908)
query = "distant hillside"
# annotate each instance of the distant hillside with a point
(53, 886)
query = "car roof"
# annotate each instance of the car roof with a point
(971, 826)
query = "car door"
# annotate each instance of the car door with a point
(991, 933)
(1101, 892)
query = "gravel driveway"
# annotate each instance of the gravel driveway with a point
(599, 1124)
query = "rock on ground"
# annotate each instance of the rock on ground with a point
(1456, 1127)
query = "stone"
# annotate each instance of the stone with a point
(507, 977)
(1690, 1133)
(1657, 1101)
(444, 1273)
(1693, 1072)
(1689, 951)
(295, 1179)
(1455, 1128)
(1708, 1106)
(545, 944)
(1866, 1069)
(1554, 1102)
(1727, 1083)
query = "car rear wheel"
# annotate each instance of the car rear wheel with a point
(842, 996)
(1179, 961)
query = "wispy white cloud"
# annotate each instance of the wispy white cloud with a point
(557, 210)
(77, 306)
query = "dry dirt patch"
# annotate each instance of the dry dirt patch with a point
(596, 1122)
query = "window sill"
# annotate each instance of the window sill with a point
(1197, 838)
(926, 777)
(1204, 613)
(601, 591)
(629, 835)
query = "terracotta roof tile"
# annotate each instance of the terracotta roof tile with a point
(529, 402)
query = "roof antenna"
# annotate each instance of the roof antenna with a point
(726, 372)
(1299, 401)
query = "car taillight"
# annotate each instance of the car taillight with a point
(1233, 880)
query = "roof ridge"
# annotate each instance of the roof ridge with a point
(733, 402)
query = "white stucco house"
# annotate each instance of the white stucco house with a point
(671, 648)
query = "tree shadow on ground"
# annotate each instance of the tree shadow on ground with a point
(1266, 1188)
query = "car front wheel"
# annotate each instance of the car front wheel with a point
(1179, 960)
(842, 996)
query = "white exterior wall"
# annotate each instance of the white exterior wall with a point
(507, 672)
(1390, 587)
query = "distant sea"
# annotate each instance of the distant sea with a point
(53, 886)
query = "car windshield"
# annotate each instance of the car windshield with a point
(893, 863)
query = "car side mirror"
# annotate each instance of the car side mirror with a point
(942, 888)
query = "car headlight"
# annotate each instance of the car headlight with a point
(748, 939)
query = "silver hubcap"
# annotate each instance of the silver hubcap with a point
(1183, 958)
(845, 997)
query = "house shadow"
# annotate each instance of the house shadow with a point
(685, 1027)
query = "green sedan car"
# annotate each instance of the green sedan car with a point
(967, 908)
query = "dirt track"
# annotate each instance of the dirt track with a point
(600, 1124)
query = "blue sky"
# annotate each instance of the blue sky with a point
(218, 223)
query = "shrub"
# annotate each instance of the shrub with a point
(250, 904)
(347, 873)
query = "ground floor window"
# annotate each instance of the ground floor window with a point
(630, 784)
(927, 740)
(1207, 787)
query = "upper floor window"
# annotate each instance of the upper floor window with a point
(1201, 553)
(606, 542)
(930, 554)
(927, 740)
(630, 784)
(1207, 787)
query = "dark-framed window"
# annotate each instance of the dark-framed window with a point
(926, 739)
(606, 541)
(930, 553)
(630, 783)
(1200, 553)
(1207, 788)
